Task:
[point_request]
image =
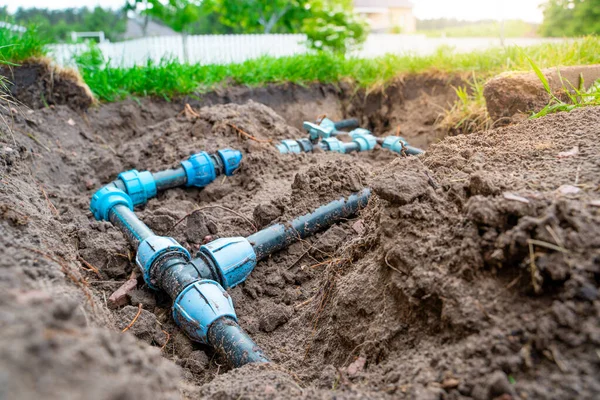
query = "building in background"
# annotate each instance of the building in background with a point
(139, 27)
(387, 16)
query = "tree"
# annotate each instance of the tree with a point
(329, 24)
(262, 16)
(179, 15)
(571, 18)
(56, 25)
(334, 27)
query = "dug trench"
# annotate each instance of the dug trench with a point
(473, 272)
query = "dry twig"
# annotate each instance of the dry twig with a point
(134, 319)
(89, 266)
(249, 136)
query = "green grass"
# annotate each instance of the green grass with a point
(170, 78)
(578, 96)
(17, 47)
(512, 28)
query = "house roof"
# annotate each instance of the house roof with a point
(134, 29)
(383, 3)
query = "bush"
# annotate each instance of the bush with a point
(335, 29)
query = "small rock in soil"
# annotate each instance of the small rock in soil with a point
(274, 317)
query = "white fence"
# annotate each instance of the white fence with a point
(223, 49)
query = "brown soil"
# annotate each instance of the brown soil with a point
(472, 274)
(37, 83)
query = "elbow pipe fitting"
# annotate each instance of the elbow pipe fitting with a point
(105, 199)
(397, 144)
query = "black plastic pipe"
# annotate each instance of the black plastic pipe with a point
(280, 236)
(233, 344)
(346, 124)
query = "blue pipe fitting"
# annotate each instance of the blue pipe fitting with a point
(105, 199)
(334, 145)
(363, 137)
(154, 248)
(140, 185)
(397, 144)
(233, 258)
(199, 305)
(231, 160)
(199, 169)
(394, 143)
(288, 146)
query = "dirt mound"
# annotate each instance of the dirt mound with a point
(473, 272)
(37, 84)
(512, 96)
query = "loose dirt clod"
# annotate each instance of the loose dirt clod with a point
(468, 276)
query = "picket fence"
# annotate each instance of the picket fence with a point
(223, 49)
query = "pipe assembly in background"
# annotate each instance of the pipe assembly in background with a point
(201, 306)
(323, 135)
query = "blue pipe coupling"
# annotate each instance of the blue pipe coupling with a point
(364, 139)
(199, 170)
(199, 305)
(233, 259)
(202, 168)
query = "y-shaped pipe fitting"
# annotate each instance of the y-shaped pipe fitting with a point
(201, 307)
(199, 170)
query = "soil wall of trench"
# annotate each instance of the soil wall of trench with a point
(472, 274)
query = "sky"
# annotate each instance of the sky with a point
(527, 10)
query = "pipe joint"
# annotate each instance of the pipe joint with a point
(364, 138)
(334, 145)
(231, 160)
(199, 169)
(153, 251)
(289, 146)
(394, 143)
(140, 186)
(199, 305)
(105, 199)
(232, 258)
